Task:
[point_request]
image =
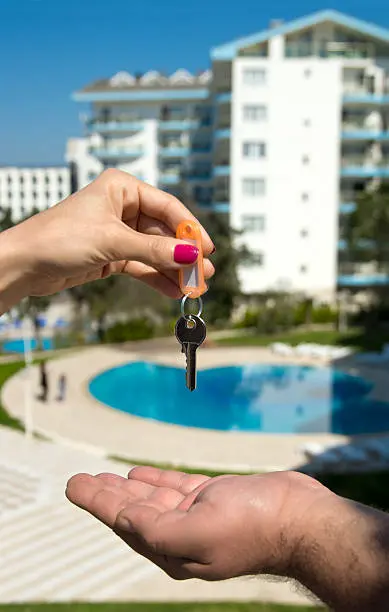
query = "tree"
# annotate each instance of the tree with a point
(224, 287)
(367, 229)
(366, 232)
(6, 221)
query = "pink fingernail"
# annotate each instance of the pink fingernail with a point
(185, 253)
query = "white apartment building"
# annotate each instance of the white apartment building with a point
(23, 190)
(284, 132)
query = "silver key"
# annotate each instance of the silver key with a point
(190, 332)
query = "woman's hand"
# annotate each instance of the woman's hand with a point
(116, 225)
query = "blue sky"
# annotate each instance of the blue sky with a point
(50, 48)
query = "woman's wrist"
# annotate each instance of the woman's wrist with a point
(15, 269)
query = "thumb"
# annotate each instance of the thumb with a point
(155, 251)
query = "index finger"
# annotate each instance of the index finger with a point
(154, 203)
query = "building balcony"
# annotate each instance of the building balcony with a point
(175, 151)
(220, 207)
(330, 50)
(197, 175)
(222, 170)
(223, 134)
(359, 131)
(347, 207)
(355, 95)
(110, 153)
(224, 97)
(177, 125)
(363, 167)
(201, 149)
(169, 178)
(105, 127)
(362, 275)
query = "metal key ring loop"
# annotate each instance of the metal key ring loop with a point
(183, 302)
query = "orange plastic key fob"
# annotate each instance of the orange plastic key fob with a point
(191, 278)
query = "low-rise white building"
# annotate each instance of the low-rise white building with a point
(25, 189)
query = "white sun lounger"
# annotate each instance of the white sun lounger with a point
(279, 348)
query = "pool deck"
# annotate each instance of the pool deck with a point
(84, 421)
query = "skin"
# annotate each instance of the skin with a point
(285, 524)
(116, 225)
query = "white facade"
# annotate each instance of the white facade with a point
(23, 190)
(290, 127)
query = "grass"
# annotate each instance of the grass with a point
(155, 607)
(179, 468)
(360, 339)
(6, 371)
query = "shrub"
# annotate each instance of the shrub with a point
(135, 329)
(249, 319)
(323, 314)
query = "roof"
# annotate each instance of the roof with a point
(230, 50)
(150, 81)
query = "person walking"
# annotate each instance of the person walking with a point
(62, 384)
(44, 383)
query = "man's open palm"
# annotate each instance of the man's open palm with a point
(195, 526)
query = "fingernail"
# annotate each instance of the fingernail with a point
(213, 250)
(185, 253)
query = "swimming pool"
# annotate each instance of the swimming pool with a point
(17, 345)
(264, 398)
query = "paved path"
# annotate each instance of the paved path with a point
(52, 551)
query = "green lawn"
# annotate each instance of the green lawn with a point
(6, 371)
(359, 339)
(155, 607)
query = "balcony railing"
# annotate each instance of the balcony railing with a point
(173, 151)
(114, 125)
(111, 152)
(363, 275)
(221, 169)
(330, 50)
(197, 174)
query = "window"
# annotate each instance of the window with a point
(60, 195)
(47, 195)
(60, 180)
(255, 259)
(9, 179)
(305, 197)
(22, 211)
(10, 195)
(34, 180)
(307, 123)
(254, 113)
(47, 180)
(306, 160)
(34, 195)
(307, 73)
(251, 223)
(253, 187)
(254, 76)
(21, 180)
(254, 150)
(304, 233)
(21, 195)
(303, 269)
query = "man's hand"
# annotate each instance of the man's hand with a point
(198, 527)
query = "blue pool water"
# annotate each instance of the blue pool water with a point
(17, 345)
(266, 398)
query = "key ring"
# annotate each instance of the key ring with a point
(183, 302)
